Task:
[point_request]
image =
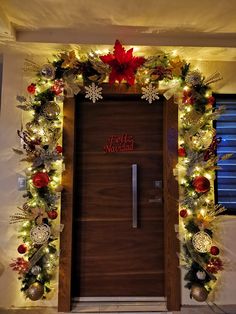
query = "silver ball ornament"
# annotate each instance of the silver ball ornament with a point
(35, 291)
(47, 72)
(199, 293)
(201, 275)
(35, 270)
(51, 110)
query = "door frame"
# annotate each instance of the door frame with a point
(170, 193)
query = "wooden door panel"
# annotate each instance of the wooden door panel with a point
(136, 285)
(133, 244)
(110, 257)
(105, 194)
(113, 161)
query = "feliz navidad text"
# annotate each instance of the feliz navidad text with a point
(119, 143)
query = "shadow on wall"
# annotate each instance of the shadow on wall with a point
(1, 63)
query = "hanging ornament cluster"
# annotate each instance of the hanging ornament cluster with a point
(195, 173)
(70, 74)
(41, 148)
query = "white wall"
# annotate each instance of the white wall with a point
(13, 83)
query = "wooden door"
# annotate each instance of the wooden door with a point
(110, 257)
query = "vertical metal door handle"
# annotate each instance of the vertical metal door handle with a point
(134, 196)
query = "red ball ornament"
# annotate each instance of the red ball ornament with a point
(181, 152)
(22, 249)
(211, 100)
(214, 250)
(201, 184)
(31, 88)
(183, 213)
(40, 179)
(52, 214)
(59, 149)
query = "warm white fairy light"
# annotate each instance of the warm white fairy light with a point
(208, 176)
(186, 88)
(26, 224)
(47, 250)
(202, 211)
(185, 170)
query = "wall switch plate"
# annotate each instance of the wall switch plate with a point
(21, 183)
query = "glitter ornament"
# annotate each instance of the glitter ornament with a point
(181, 152)
(58, 87)
(199, 293)
(22, 249)
(31, 89)
(183, 213)
(59, 149)
(193, 78)
(40, 234)
(150, 93)
(35, 270)
(201, 275)
(40, 179)
(214, 265)
(93, 92)
(201, 184)
(202, 242)
(214, 250)
(35, 291)
(47, 72)
(52, 214)
(51, 110)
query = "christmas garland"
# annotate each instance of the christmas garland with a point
(66, 76)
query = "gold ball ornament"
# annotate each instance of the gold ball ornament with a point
(35, 291)
(199, 293)
(40, 234)
(51, 110)
(202, 242)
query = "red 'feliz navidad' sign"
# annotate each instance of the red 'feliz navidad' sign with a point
(119, 143)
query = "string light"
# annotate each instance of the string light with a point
(208, 176)
(193, 144)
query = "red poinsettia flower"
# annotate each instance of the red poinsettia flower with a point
(188, 97)
(20, 265)
(214, 265)
(124, 65)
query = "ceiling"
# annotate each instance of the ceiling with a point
(203, 29)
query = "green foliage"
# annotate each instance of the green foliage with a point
(59, 70)
(47, 95)
(191, 226)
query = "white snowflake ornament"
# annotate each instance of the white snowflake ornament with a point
(150, 93)
(93, 92)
